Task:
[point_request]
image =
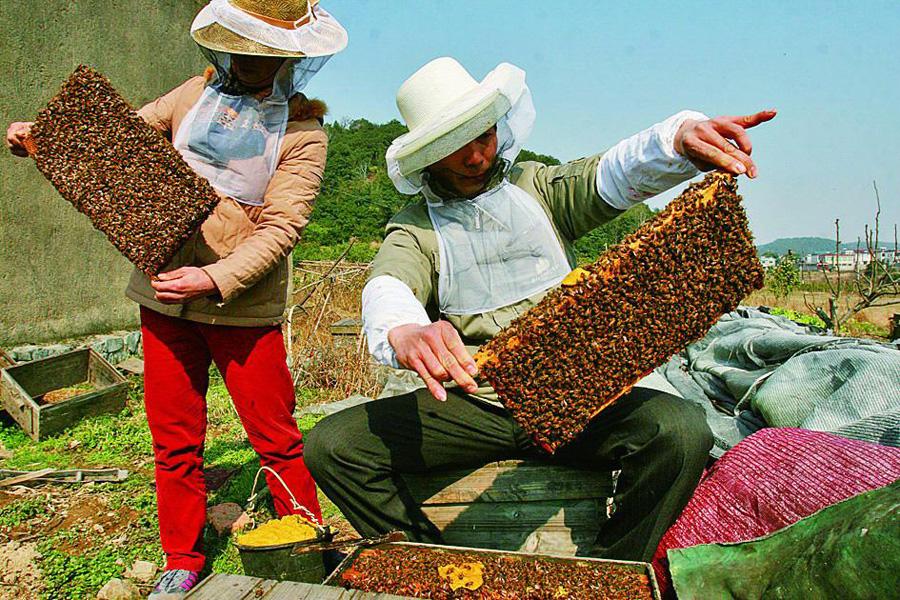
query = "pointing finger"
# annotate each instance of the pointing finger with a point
(748, 121)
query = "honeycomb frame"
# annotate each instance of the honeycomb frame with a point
(610, 323)
(118, 170)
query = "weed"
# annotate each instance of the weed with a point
(21, 511)
(798, 317)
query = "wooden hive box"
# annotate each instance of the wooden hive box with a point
(24, 387)
(530, 506)
(506, 574)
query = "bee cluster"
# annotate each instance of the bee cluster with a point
(416, 572)
(119, 171)
(612, 322)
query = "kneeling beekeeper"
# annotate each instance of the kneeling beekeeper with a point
(260, 143)
(485, 241)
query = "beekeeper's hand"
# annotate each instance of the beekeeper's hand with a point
(182, 285)
(16, 134)
(720, 143)
(436, 353)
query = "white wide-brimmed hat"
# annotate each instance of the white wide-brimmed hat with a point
(289, 28)
(445, 108)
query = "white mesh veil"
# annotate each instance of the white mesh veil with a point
(292, 77)
(321, 36)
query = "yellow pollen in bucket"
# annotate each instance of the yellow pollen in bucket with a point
(286, 530)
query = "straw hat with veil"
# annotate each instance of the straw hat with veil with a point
(233, 134)
(289, 28)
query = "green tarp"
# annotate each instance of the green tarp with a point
(847, 550)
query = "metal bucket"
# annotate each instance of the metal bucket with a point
(300, 561)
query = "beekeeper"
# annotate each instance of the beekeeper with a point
(248, 129)
(485, 241)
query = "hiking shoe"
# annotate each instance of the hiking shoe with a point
(174, 584)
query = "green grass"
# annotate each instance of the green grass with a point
(798, 317)
(124, 441)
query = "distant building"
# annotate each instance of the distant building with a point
(849, 260)
(768, 262)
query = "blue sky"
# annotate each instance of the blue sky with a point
(600, 71)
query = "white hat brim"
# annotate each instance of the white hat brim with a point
(462, 121)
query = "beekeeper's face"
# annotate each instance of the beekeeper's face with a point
(255, 71)
(467, 170)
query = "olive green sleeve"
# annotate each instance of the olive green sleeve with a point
(400, 256)
(570, 190)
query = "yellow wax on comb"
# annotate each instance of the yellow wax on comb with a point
(575, 276)
(286, 530)
(467, 575)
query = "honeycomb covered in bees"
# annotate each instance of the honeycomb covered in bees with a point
(119, 171)
(610, 323)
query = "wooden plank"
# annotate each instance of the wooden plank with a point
(25, 477)
(567, 527)
(6, 360)
(351, 327)
(510, 481)
(101, 372)
(224, 587)
(75, 475)
(292, 590)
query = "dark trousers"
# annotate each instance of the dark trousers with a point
(659, 442)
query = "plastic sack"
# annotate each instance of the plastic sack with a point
(772, 479)
(848, 550)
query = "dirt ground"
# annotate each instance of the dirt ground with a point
(19, 575)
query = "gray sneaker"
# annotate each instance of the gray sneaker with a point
(173, 585)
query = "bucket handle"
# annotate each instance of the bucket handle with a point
(294, 504)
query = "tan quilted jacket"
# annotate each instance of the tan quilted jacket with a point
(245, 250)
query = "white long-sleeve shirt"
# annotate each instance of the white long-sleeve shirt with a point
(635, 169)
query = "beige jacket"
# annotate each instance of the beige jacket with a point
(245, 250)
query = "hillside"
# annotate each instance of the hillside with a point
(358, 198)
(809, 245)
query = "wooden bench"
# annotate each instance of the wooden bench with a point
(529, 506)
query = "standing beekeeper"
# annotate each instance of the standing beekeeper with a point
(248, 129)
(484, 242)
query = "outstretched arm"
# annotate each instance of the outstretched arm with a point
(673, 151)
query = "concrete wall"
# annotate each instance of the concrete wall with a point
(59, 278)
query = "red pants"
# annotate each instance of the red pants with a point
(177, 355)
